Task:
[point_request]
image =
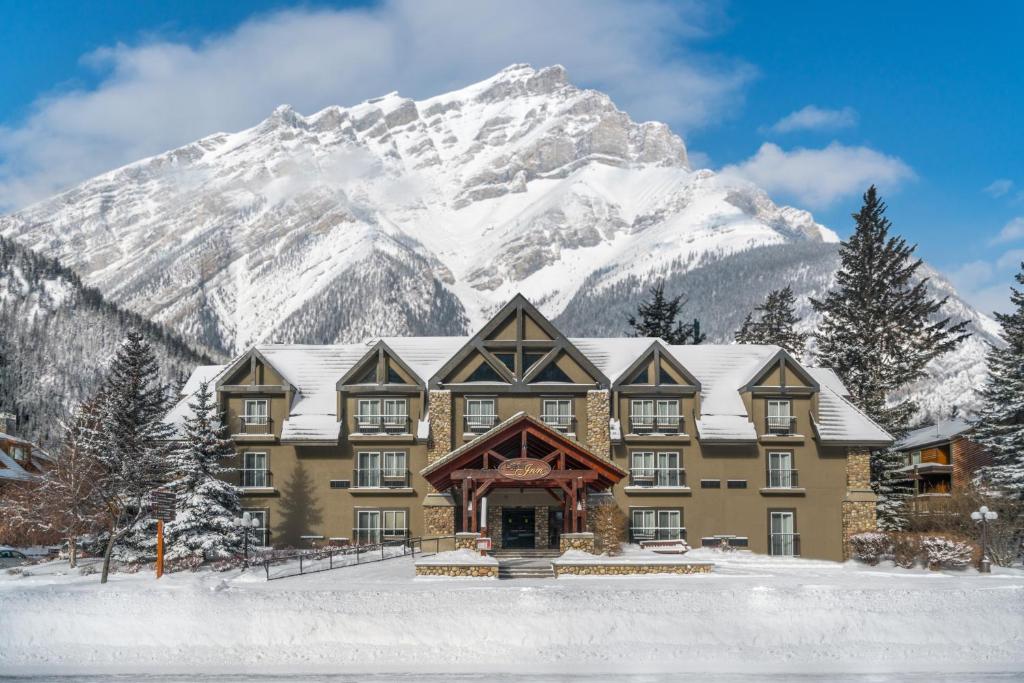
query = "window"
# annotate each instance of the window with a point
(665, 378)
(531, 358)
(254, 470)
(375, 469)
(18, 453)
(710, 484)
(396, 415)
(480, 414)
(557, 413)
(393, 376)
(655, 416)
(736, 483)
(259, 532)
(649, 524)
(781, 474)
(340, 483)
(915, 458)
(508, 360)
(389, 415)
(552, 373)
(369, 376)
(373, 526)
(485, 373)
(780, 419)
(643, 376)
(255, 412)
(782, 534)
(650, 468)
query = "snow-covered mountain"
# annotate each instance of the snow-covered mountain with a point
(400, 216)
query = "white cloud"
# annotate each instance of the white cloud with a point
(155, 95)
(815, 118)
(1011, 232)
(997, 188)
(698, 159)
(818, 177)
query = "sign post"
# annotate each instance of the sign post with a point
(162, 503)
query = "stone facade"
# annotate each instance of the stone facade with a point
(458, 570)
(540, 527)
(440, 415)
(598, 414)
(438, 515)
(625, 569)
(859, 513)
(582, 541)
(494, 525)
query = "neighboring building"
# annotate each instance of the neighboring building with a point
(941, 459)
(424, 436)
(20, 460)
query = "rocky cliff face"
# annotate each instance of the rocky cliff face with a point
(397, 216)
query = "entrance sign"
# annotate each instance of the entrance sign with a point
(524, 469)
(483, 544)
(162, 503)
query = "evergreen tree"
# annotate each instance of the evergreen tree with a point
(658, 318)
(877, 334)
(1001, 423)
(134, 448)
(776, 323)
(207, 506)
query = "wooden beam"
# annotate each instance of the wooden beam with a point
(551, 456)
(554, 475)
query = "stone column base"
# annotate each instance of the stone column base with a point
(438, 515)
(582, 541)
(466, 540)
(859, 516)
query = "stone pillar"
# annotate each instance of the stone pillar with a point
(494, 525)
(859, 514)
(540, 527)
(440, 416)
(598, 414)
(582, 541)
(466, 540)
(438, 515)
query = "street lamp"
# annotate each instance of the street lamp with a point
(983, 516)
(248, 522)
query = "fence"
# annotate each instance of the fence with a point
(283, 564)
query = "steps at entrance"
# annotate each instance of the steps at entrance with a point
(527, 570)
(518, 553)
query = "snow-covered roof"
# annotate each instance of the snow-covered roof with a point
(613, 355)
(839, 421)
(425, 355)
(937, 433)
(203, 373)
(11, 469)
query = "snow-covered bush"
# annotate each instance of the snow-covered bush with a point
(906, 549)
(609, 524)
(187, 563)
(87, 570)
(871, 546)
(940, 552)
(16, 571)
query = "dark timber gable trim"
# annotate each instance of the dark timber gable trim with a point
(785, 362)
(661, 355)
(382, 352)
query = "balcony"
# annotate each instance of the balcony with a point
(254, 428)
(656, 425)
(380, 478)
(781, 482)
(780, 425)
(784, 545)
(657, 477)
(657, 533)
(478, 424)
(377, 425)
(566, 424)
(258, 479)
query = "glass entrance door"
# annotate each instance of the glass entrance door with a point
(518, 528)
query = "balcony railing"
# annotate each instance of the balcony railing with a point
(787, 545)
(562, 423)
(780, 425)
(657, 533)
(783, 479)
(656, 424)
(369, 536)
(380, 424)
(476, 424)
(255, 478)
(380, 478)
(654, 477)
(255, 424)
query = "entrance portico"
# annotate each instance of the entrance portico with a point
(535, 474)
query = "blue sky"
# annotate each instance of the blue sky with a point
(811, 100)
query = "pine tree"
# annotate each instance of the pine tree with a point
(658, 318)
(776, 323)
(205, 525)
(1001, 423)
(133, 447)
(877, 334)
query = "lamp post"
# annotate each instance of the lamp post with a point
(983, 516)
(247, 522)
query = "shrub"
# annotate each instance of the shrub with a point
(951, 553)
(87, 569)
(906, 549)
(609, 524)
(16, 571)
(189, 562)
(871, 547)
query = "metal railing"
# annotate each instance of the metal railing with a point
(479, 423)
(780, 425)
(656, 424)
(255, 424)
(785, 545)
(658, 533)
(380, 424)
(380, 478)
(283, 564)
(563, 423)
(654, 477)
(783, 479)
(255, 478)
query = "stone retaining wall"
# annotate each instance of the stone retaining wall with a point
(628, 569)
(581, 541)
(458, 570)
(466, 540)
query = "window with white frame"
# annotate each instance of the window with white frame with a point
(659, 416)
(782, 536)
(376, 415)
(254, 470)
(655, 468)
(780, 417)
(480, 415)
(259, 532)
(18, 453)
(557, 413)
(781, 474)
(648, 524)
(255, 412)
(395, 524)
(915, 458)
(377, 469)
(373, 526)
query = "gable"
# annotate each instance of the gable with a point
(379, 367)
(657, 368)
(784, 372)
(252, 368)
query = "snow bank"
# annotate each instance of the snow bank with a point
(753, 614)
(461, 558)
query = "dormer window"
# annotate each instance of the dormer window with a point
(780, 417)
(382, 416)
(655, 416)
(255, 418)
(557, 413)
(480, 414)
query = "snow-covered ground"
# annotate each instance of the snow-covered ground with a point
(752, 618)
